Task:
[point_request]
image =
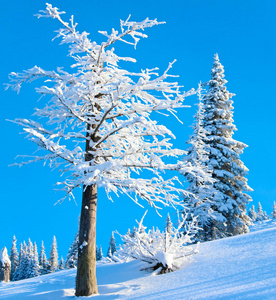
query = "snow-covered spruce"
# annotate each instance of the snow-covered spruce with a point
(200, 199)
(252, 213)
(112, 246)
(33, 266)
(228, 171)
(98, 127)
(72, 256)
(61, 264)
(273, 214)
(53, 260)
(43, 263)
(261, 215)
(99, 253)
(14, 258)
(163, 252)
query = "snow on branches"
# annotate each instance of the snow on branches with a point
(163, 252)
(98, 127)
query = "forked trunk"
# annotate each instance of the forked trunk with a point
(86, 282)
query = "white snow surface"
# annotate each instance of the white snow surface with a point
(240, 267)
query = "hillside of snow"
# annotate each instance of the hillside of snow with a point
(241, 267)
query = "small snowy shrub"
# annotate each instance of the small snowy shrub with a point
(163, 252)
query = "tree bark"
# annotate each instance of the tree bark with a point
(5, 272)
(86, 281)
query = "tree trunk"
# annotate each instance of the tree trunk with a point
(5, 272)
(86, 282)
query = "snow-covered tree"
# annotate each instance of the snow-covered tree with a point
(16, 274)
(99, 253)
(168, 224)
(14, 257)
(33, 269)
(30, 248)
(20, 272)
(273, 214)
(261, 215)
(252, 213)
(228, 171)
(199, 201)
(61, 264)
(112, 246)
(43, 263)
(53, 259)
(72, 255)
(162, 252)
(101, 130)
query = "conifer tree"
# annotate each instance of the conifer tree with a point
(43, 263)
(53, 260)
(99, 253)
(112, 246)
(200, 194)
(33, 269)
(261, 215)
(252, 213)
(72, 256)
(20, 253)
(24, 263)
(30, 248)
(16, 275)
(61, 264)
(273, 214)
(14, 258)
(228, 171)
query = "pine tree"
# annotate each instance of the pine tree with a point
(16, 275)
(33, 264)
(112, 246)
(23, 263)
(14, 258)
(72, 256)
(43, 263)
(99, 253)
(252, 213)
(227, 169)
(200, 194)
(61, 264)
(261, 215)
(53, 260)
(273, 214)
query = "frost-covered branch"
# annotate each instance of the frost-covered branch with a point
(98, 121)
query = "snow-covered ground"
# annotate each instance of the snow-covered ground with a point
(241, 267)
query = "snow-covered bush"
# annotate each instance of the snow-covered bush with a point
(163, 252)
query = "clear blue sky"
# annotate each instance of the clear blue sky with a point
(242, 32)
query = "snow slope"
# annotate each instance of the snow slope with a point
(241, 267)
